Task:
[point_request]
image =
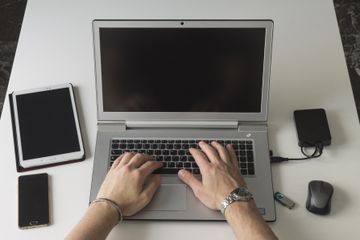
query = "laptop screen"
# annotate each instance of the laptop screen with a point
(182, 69)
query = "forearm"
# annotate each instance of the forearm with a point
(246, 222)
(97, 222)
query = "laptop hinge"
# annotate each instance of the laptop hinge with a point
(182, 124)
(112, 125)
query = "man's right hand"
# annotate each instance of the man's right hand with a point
(219, 170)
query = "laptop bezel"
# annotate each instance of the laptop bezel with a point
(184, 116)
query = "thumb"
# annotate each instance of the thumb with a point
(190, 180)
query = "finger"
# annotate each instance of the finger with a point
(223, 153)
(232, 154)
(210, 152)
(117, 162)
(150, 187)
(148, 167)
(138, 160)
(200, 158)
(126, 158)
(189, 179)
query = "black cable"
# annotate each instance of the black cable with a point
(317, 153)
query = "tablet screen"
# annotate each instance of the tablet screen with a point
(47, 124)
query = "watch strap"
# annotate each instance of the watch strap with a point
(233, 196)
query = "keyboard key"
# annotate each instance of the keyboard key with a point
(185, 146)
(179, 165)
(251, 165)
(167, 158)
(175, 158)
(115, 146)
(166, 171)
(115, 141)
(251, 171)
(165, 152)
(116, 152)
(194, 165)
(113, 158)
(243, 172)
(171, 164)
(249, 147)
(187, 165)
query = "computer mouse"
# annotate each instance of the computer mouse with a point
(319, 197)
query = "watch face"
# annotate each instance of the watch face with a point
(242, 193)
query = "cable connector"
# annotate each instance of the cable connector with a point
(276, 159)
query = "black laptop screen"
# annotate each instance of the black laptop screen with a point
(182, 69)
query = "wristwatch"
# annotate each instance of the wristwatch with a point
(239, 194)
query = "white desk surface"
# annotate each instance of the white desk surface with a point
(308, 71)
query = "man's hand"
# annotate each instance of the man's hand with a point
(219, 170)
(129, 183)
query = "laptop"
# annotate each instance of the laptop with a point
(164, 85)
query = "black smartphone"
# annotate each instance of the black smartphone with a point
(33, 201)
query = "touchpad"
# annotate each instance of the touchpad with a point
(169, 197)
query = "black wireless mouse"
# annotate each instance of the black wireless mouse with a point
(319, 197)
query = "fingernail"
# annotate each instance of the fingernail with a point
(181, 172)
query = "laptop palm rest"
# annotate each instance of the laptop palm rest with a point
(169, 197)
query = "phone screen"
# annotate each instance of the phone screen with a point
(33, 200)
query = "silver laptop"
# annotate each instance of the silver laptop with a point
(164, 85)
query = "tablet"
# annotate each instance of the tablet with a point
(47, 126)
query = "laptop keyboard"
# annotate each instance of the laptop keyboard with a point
(175, 155)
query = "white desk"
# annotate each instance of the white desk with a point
(308, 71)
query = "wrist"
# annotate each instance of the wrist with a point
(240, 208)
(106, 212)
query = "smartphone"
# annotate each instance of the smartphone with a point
(33, 201)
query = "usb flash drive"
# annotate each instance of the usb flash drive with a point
(283, 200)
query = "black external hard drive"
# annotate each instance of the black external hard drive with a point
(312, 127)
